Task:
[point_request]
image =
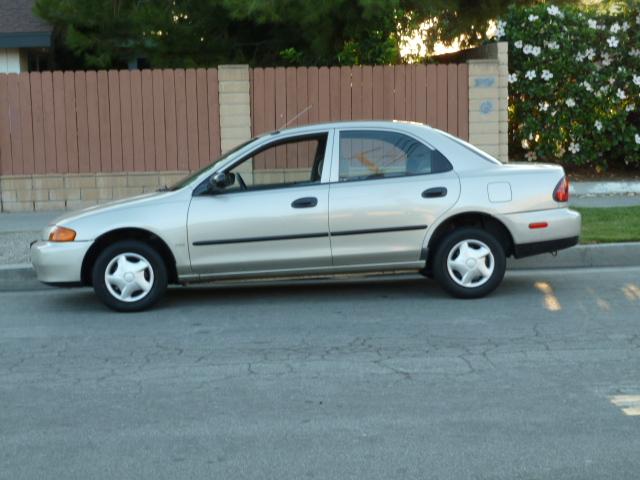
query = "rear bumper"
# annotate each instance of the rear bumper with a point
(535, 248)
(59, 263)
(563, 227)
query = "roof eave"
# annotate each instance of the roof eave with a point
(25, 39)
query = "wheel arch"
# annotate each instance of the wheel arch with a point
(128, 233)
(476, 219)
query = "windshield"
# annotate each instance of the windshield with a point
(190, 178)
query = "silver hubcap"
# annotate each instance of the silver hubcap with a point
(470, 263)
(129, 277)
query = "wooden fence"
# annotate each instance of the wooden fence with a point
(108, 121)
(160, 120)
(434, 94)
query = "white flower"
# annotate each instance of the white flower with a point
(580, 57)
(598, 125)
(592, 23)
(570, 102)
(612, 80)
(543, 106)
(517, 44)
(535, 51)
(527, 49)
(613, 42)
(530, 156)
(638, 19)
(525, 144)
(590, 53)
(604, 88)
(530, 75)
(553, 45)
(637, 138)
(625, 26)
(500, 30)
(636, 80)
(606, 59)
(587, 86)
(574, 147)
(615, 28)
(631, 107)
(621, 94)
(634, 52)
(513, 77)
(546, 75)
(554, 11)
(533, 18)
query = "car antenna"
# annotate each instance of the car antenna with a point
(294, 118)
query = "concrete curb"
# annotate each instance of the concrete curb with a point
(580, 256)
(589, 189)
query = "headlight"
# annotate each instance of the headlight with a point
(62, 234)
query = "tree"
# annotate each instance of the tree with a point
(179, 33)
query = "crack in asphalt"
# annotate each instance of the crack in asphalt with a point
(66, 360)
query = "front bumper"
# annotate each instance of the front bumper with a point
(58, 262)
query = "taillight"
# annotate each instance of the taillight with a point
(561, 192)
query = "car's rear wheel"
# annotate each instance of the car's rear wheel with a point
(129, 276)
(469, 263)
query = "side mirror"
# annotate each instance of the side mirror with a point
(221, 180)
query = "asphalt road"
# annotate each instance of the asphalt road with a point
(331, 380)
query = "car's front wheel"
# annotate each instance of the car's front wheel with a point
(129, 276)
(469, 263)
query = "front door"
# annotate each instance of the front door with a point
(273, 217)
(387, 189)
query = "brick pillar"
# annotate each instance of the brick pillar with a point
(488, 100)
(235, 110)
(484, 110)
(503, 99)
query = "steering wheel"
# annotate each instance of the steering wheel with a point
(243, 186)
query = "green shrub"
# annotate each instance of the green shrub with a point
(574, 85)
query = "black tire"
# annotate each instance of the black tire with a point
(448, 243)
(157, 273)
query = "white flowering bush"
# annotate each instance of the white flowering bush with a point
(574, 85)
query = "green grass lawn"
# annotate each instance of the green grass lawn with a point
(616, 224)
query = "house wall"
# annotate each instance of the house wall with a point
(12, 60)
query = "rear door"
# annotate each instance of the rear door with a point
(387, 188)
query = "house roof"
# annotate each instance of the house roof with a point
(20, 27)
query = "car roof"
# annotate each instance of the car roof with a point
(403, 124)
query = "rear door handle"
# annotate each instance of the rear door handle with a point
(434, 192)
(305, 202)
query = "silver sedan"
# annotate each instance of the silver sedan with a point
(322, 199)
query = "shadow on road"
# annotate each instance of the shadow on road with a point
(314, 292)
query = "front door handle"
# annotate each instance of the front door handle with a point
(305, 202)
(434, 192)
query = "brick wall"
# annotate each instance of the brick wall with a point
(23, 193)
